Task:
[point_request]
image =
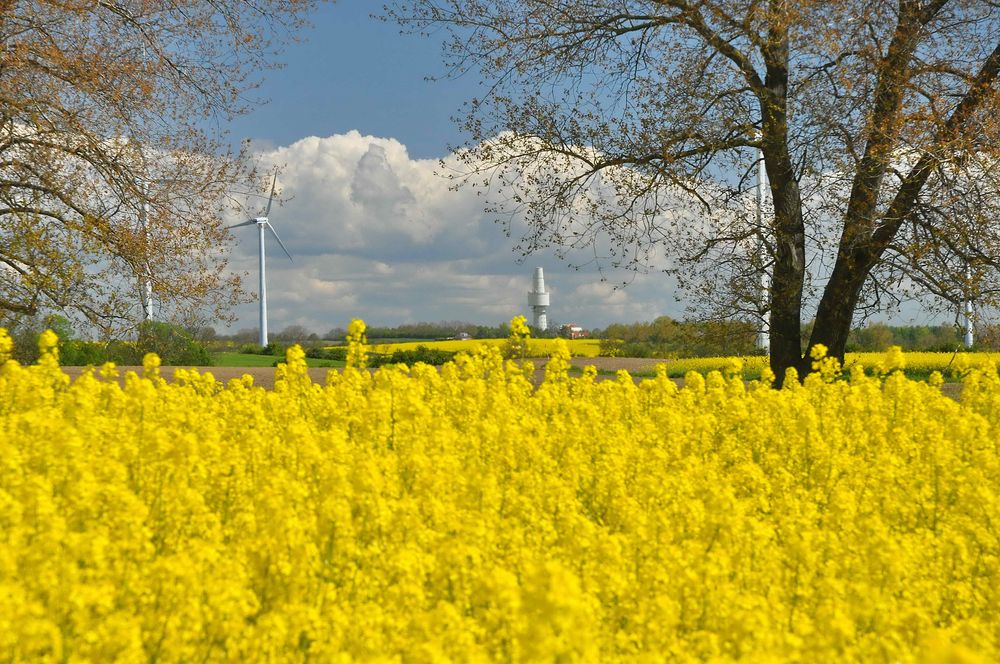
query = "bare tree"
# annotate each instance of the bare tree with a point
(600, 118)
(113, 168)
(293, 334)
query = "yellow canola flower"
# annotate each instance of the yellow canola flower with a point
(893, 360)
(516, 346)
(151, 365)
(6, 346)
(357, 354)
(519, 326)
(48, 343)
(464, 514)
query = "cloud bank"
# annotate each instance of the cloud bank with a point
(380, 236)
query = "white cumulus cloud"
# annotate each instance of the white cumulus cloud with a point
(378, 235)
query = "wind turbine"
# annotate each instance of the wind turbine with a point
(764, 334)
(262, 222)
(145, 280)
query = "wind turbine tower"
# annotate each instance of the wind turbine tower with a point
(262, 223)
(764, 333)
(968, 310)
(538, 300)
(145, 283)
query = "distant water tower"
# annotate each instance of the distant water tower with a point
(538, 300)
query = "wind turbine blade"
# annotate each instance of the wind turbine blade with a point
(275, 234)
(249, 222)
(267, 212)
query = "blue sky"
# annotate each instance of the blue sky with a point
(358, 132)
(353, 72)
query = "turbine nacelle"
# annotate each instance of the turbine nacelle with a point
(264, 221)
(261, 223)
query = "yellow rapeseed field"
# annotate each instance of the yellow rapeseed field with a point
(920, 363)
(536, 347)
(418, 515)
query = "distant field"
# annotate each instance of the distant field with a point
(536, 347)
(251, 360)
(917, 364)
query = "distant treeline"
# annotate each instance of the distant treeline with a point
(663, 337)
(425, 330)
(879, 336)
(666, 337)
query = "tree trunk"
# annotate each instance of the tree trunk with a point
(863, 243)
(836, 309)
(788, 278)
(788, 272)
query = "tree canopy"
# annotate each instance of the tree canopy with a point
(631, 129)
(113, 165)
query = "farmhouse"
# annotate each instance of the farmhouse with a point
(573, 331)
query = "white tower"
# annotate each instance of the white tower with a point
(764, 333)
(968, 309)
(145, 283)
(538, 300)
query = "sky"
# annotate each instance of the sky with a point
(358, 133)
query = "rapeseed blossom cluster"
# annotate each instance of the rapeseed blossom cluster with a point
(417, 514)
(517, 345)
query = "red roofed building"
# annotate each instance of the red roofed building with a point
(573, 331)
